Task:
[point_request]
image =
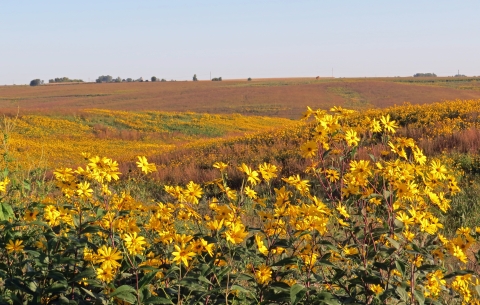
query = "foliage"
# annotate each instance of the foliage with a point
(64, 80)
(36, 82)
(347, 229)
(104, 79)
(424, 75)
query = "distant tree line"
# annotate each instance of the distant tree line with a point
(36, 82)
(64, 80)
(110, 79)
(107, 79)
(102, 79)
(217, 79)
(425, 75)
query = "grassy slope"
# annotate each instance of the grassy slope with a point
(55, 141)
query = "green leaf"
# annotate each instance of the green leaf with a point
(286, 261)
(56, 275)
(326, 153)
(101, 213)
(6, 212)
(427, 268)
(158, 300)
(146, 279)
(64, 300)
(204, 279)
(26, 185)
(240, 288)
(280, 285)
(339, 273)
(394, 243)
(125, 293)
(419, 296)
(432, 302)
(402, 293)
(144, 294)
(127, 297)
(416, 248)
(400, 267)
(398, 223)
(88, 292)
(327, 298)
(325, 262)
(32, 253)
(477, 288)
(87, 273)
(39, 223)
(386, 194)
(123, 289)
(18, 284)
(459, 272)
(224, 272)
(382, 266)
(90, 229)
(329, 245)
(296, 293)
(280, 243)
(57, 288)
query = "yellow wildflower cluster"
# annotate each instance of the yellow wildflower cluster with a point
(432, 119)
(51, 140)
(345, 221)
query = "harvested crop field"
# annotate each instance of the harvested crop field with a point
(273, 97)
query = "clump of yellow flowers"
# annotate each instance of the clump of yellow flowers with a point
(361, 224)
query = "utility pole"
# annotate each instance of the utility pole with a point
(332, 72)
(210, 75)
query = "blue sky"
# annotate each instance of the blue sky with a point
(236, 39)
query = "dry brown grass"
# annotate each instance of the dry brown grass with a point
(465, 141)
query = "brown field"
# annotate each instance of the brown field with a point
(267, 97)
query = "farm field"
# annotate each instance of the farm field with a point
(281, 191)
(286, 98)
